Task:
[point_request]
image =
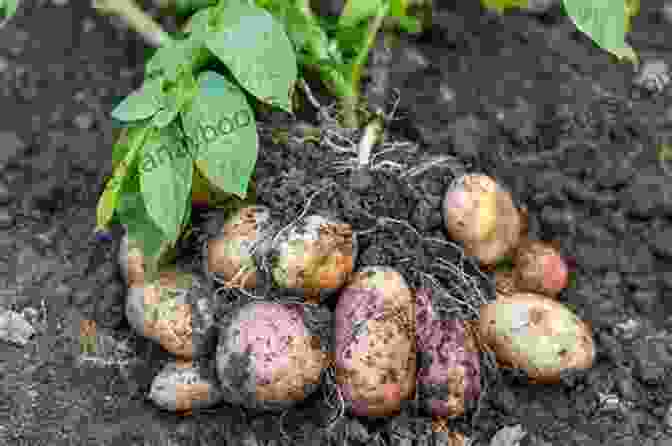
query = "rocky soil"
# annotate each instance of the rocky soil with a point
(528, 100)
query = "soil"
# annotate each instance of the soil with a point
(528, 100)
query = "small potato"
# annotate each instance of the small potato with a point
(267, 356)
(375, 342)
(537, 334)
(539, 268)
(175, 312)
(183, 386)
(228, 257)
(315, 258)
(481, 215)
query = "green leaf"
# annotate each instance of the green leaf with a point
(502, 5)
(356, 11)
(8, 10)
(220, 126)
(124, 155)
(255, 48)
(186, 7)
(602, 20)
(631, 10)
(170, 59)
(165, 178)
(142, 103)
(398, 8)
(411, 25)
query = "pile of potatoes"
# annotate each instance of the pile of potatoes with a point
(385, 340)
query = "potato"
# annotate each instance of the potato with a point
(449, 369)
(537, 334)
(539, 268)
(231, 250)
(184, 385)
(176, 312)
(315, 258)
(444, 436)
(481, 215)
(267, 357)
(374, 336)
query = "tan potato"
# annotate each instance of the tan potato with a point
(315, 258)
(228, 257)
(183, 385)
(375, 342)
(537, 334)
(480, 214)
(163, 313)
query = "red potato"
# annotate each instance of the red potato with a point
(375, 342)
(481, 215)
(449, 369)
(539, 268)
(267, 357)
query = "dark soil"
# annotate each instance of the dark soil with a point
(526, 99)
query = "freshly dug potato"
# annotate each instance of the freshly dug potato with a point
(449, 371)
(132, 263)
(537, 334)
(184, 385)
(177, 312)
(444, 436)
(315, 258)
(481, 215)
(539, 268)
(228, 257)
(267, 356)
(375, 342)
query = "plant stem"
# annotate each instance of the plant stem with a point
(135, 19)
(372, 134)
(352, 101)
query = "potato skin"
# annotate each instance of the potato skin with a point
(182, 386)
(449, 369)
(555, 339)
(539, 268)
(188, 331)
(315, 258)
(267, 359)
(229, 250)
(480, 214)
(374, 337)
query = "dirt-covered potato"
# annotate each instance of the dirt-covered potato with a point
(539, 268)
(228, 257)
(268, 357)
(132, 263)
(315, 258)
(177, 312)
(375, 342)
(185, 385)
(480, 214)
(449, 369)
(537, 334)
